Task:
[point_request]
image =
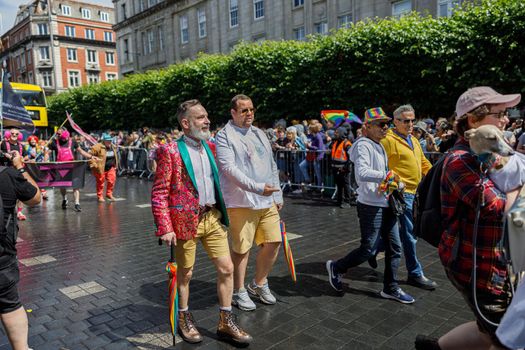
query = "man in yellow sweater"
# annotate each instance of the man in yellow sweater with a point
(406, 159)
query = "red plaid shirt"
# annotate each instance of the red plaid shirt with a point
(461, 183)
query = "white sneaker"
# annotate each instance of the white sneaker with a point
(263, 292)
(242, 300)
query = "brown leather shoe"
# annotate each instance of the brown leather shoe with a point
(229, 330)
(187, 329)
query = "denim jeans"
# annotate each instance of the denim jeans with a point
(375, 221)
(406, 234)
(304, 165)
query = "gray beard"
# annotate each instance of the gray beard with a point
(199, 134)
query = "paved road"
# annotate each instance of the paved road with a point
(96, 280)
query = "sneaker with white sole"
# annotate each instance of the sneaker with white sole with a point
(241, 299)
(333, 277)
(263, 292)
(398, 295)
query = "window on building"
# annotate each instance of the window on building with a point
(108, 36)
(47, 78)
(66, 10)
(299, 34)
(111, 76)
(344, 21)
(44, 53)
(86, 13)
(124, 14)
(400, 8)
(29, 58)
(90, 34)
(72, 55)
(42, 29)
(91, 56)
(234, 13)
(73, 78)
(104, 16)
(160, 31)
(70, 31)
(201, 16)
(144, 43)
(30, 77)
(126, 50)
(142, 5)
(23, 60)
(446, 7)
(152, 3)
(151, 40)
(321, 28)
(298, 3)
(184, 34)
(110, 58)
(93, 78)
(258, 9)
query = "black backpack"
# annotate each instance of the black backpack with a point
(427, 205)
(5, 245)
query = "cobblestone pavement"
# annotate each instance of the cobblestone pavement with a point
(96, 280)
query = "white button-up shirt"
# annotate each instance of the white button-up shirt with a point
(202, 170)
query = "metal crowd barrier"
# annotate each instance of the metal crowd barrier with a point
(300, 170)
(134, 161)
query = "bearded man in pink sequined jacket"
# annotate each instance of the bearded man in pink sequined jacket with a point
(188, 208)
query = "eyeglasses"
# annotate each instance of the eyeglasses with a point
(246, 110)
(500, 115)
(15, 134)
(406, 121)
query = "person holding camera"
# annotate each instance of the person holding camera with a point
(15, 185)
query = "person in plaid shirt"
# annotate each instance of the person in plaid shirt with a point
(464, 183)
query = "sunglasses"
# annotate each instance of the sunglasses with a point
(15, 134)
(381, 124)
(500, 115)
(246, 110)
(407, 121)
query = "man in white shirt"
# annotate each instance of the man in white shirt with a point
(250, 185)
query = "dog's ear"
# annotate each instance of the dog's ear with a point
(470, 134)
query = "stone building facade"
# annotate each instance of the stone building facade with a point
(155, 33)
(69, 46)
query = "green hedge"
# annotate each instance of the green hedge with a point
(382, 62)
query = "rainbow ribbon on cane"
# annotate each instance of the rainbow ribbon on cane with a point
(288, 252)
(171, 268)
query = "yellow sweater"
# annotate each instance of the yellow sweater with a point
(410, 164)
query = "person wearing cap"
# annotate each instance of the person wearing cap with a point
(376, 218)
(406, 158)
(104, 169)
(64, 148)
(463, 184)
(340, 163)
(426, 140)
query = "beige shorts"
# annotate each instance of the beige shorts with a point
(247, 225)
(213, 236)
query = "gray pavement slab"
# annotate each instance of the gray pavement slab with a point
(97, 280)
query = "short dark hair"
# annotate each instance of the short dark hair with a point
(479, 113)
(233, 103)
(182, 110)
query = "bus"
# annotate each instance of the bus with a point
(34, 100)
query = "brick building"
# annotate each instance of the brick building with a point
(69, 46)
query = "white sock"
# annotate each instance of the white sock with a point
(225, 308)
(184, 310)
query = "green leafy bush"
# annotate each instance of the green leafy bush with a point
(379, 62)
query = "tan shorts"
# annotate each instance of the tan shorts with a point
(213, 236)
(247, 224)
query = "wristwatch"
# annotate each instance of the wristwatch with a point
(21, 170)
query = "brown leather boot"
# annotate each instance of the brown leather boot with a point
(187, 329)
(229, 330)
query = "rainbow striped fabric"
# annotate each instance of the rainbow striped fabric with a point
(375, 114)
(173, 306)
(339, 116)
(288, 252)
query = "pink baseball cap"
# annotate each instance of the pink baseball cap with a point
(480, 95)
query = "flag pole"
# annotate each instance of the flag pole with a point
(1, 104)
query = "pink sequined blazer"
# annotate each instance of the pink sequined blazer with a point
(174, 196)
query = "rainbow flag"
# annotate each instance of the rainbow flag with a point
(288, 252)
(339, 117)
